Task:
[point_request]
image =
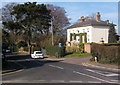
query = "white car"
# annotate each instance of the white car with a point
(37, 54)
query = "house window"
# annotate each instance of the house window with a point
(87, 29)
(78, 39)
(83, 30)
(88, 39)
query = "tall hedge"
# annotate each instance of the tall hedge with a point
(108, 54)
(55, 51)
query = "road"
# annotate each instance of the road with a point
(56, 71)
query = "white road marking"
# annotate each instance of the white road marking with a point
(102, 67)
(110, 74)
(95, 72)
(57, 81)
(113, 74)
(75, 81)
(56, 66)
(91, 76)
(24, 81)
(94, 82)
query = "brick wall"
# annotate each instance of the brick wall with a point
(87, 48)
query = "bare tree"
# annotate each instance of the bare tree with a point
(6, 10)
(59, 18)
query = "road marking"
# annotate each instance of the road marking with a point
(75, 81)
(56, 66)
(115, 80)
(94, 82)
(91, 76)
(110, 74)
(87, 64)
(12, 72)
(113, 74)
(84, 64)
(95, 72)
(57, 81)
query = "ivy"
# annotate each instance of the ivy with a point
(80, 34)
(81, 39)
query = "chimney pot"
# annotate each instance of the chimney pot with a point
(98, 16)
(82, 19)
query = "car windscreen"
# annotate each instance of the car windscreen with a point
(38, 52)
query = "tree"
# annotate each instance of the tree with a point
(6, 10)
(33, 18)
(59, 19)
(59, 23)
(112, 34)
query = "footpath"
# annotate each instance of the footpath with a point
(85, 61)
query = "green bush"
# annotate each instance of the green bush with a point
(26, 48)
(81, 45)
(108, 54)
(55, 51)
(22, 44)
(36, 48)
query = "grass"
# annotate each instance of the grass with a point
(112, 63)
(78, 55)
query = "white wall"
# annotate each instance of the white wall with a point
(99, 32)
(94, 33)
(86, 29)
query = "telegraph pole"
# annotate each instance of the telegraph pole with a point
(52, 31)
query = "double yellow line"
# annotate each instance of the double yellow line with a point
(84, 64)
(12, 72)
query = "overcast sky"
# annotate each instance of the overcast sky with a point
(77, 8)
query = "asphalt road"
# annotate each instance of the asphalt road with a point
(49, 71)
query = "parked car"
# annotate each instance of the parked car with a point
(6, 50)
(37, 54)
(3, 57)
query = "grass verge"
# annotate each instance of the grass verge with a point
(78, 55)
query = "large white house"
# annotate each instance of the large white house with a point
(89, 30)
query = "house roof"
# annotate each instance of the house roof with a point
(90, 23)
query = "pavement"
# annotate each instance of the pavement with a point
(13, 66)
(85, 61)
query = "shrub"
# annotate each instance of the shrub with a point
(72, 50)
(22, 44)
(81, 46)
(55, 51)
(36, 48)
(26, 48)
(108, 54)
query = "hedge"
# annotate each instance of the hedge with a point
(55, 51)
(26, 48)
(36, 49)
(108, 54)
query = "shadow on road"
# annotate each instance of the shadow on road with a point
(26, 62)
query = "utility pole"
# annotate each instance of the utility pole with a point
(52, 31)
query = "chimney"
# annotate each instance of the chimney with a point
(82, 19)
(98, 16)
(107, 21)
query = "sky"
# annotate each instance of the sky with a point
(77, 8)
